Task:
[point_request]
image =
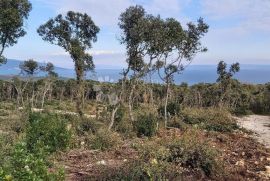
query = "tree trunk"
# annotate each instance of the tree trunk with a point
(79, 95)
(166, 104)
(113, 117)
(130, 99)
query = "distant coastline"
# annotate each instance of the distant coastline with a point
(254, 74)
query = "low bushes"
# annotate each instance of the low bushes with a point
(28, 166)
(172, 158)
(146, 125)
(47, 131)
(103, 139)
(210, 119)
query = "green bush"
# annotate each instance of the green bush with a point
(210, 119)
(173, 109)
(146, 125)
(28, 166)
(48, 131)
(170, 158)
(191, 152)
(103, 139)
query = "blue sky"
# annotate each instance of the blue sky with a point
(239, 29)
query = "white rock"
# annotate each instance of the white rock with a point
(102, 162)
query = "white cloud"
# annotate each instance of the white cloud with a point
(251, 14)
(106, 12)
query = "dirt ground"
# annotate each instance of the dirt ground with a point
(244, 158)
(260, 125)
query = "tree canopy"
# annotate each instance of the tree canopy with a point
(12, 16)
(74, 32)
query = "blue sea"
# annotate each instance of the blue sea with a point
(255, 74)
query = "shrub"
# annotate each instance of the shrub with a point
(88, 126)
(146, 125)
(173, 109)
(47, 130)
(28, 166)
(191, 152)
(103, 139)
(122, 123)
(210, 119)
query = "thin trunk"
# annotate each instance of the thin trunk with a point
(130, 100)
(113, 117)
(79, 96)
(166, 104)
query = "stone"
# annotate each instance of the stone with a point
(240, 163)
(102, 162)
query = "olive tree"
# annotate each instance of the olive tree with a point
(74, 32)
(12, 16)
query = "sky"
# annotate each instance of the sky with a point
(239, 29)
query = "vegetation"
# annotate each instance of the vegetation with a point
(12, 16)
(75, 33)
(133, 129)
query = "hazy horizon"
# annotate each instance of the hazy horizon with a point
(239, 30)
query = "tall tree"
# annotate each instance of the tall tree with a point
(132, 26)
(175, 48)
(74, 32)
(12, 16)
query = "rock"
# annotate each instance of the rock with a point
(256, 163)
(267, 172)
(262, 158)
(240, 163)
(102, 162)
(125, 160)
(243, 153)
(268, 159)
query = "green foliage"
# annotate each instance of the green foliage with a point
(191, 152)
(169, 158)
(103, 140)
(173, 109)
(12, 16)
(29, 67)
(28, 166)
(146, 125)
(48, 131)
(210, 119)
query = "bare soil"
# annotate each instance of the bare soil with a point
(243, 157)
(260, 125)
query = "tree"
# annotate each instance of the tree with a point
(132, 25)
(29, 67)
(74, 32)
(225, 77)
(48, 81)
(12, 16)
(156, 44)
(172, 47)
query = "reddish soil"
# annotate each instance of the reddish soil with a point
(244, 158)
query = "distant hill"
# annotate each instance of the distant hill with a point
(257, 74)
